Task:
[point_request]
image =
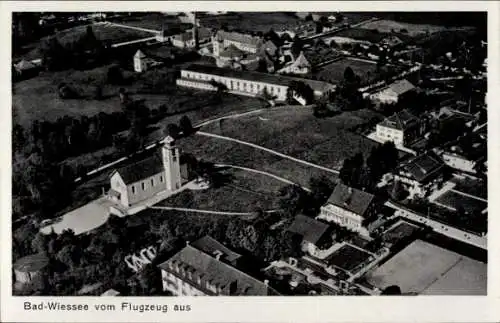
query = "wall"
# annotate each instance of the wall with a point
(150, 188)
(341, 216)
(177, 286)
(118, 185)
(459, 163)
(389, 134)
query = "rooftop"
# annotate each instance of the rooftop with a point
(142, 169)
(310, 229)
(211, 246)
(402, 86)
(318, 86)
(239, 37)
(232, 51)
(401, 120)
(351, 199)
(208, 269)
(422, 167)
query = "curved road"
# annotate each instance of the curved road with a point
(274, 152)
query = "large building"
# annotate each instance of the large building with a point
(146, 178)
(402, 128)
(208, 268)
(350, 208)
(300, 66)
(245, 82)
(421, 174)
(247, 43)
(393, 93)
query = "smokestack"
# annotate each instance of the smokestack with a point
(195, 32)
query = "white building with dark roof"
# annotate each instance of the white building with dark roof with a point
(393, 93)
(312, 232)
(144, 179)
(247, 43)
(207, 268)
(421, 174)
(402, 128)
(245, 82)
(350, 208)
(300, 66)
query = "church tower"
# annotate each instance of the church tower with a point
(171, 164)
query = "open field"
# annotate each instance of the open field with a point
(366, 70)
(252, 21)
(155, 21)
(296, 132)
(425, 268)
(412, 30)
(222, 151)
(454, 200)
(243, 192)
(37, 98)
(108, 34)
(347, 257)
(368, 34)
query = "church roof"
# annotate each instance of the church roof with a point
(142, 169)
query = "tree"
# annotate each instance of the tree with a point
(114, 75)
(39, 243)
(185, 125)
(398, 191)
(392, 290)
(149, 279)
(66, 255)
(297, 46)
(293, 200)
(321, 189)
(351, 170)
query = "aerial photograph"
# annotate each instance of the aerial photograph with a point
(249, 153)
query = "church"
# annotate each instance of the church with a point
(163, 171)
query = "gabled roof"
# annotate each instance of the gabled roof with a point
(422, 167)
(301, 61)
(25, 65)
(31, 263)
(310, 229)
(232, 51)
(239, 37)
(211, 246)
(351, 199)
(401, 87)
(142, 169)
(401, 120)
(231, 280)
(139, 54)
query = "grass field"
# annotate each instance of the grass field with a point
(413, 30)
(368, 34)
(366, 70)
(221, 151)
(243, 192)
(106, 33)
(425, 268)
(252, 21)
(454, 200)
(296, 132)
(155, 21)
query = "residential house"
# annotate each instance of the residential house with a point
(192, 38)
(299, 66)
(200, 270)
(312, 232)
(246, 83)
(350, 208)
(391, 42)
(402, 128)
(421, 174)
(162, 171)
(393, 93)
(145, 60)
(466, 154)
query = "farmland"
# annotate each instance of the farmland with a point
(296, 132)
(412, 30)
(155, 21)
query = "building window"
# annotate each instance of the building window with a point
(161, 178)
(133, 189)
(143, 186)
(152, 182)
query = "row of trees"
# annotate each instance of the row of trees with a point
(355, 172)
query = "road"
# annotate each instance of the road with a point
(274, 152)
(441, 228)
(334, 31)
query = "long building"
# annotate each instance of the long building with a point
(208, 268)
(245, 82)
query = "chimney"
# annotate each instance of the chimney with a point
(266, 282)
(218, 254)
